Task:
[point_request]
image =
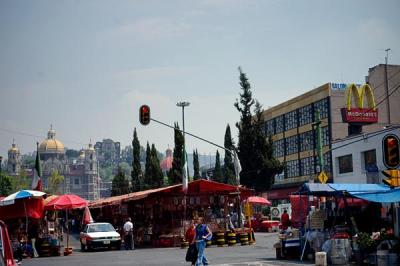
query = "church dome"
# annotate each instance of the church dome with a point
(51, 144)
(13, 148)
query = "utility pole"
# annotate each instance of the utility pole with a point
(1, 176)
(387, 86)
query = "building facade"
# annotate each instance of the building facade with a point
(14, 160)
(108, 150)
(290, 124)
(81, 176)
(360, 159)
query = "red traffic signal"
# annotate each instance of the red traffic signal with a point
(144, 115)
(391, 152)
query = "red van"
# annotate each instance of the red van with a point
(6, 252)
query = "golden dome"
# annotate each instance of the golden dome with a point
(51, 144)
(13, 148)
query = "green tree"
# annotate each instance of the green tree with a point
(229, 169)
(158, 177)
(175, 173)
(54, 183)
(196, 165)
(259, 167)
(218, 175)
(148, 170)
(6, 186)
(22, 181)
(120, 185)
(136, 173)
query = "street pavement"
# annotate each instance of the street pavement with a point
(260, 254)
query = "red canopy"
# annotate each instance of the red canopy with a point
(258, 200)
(29, 207)
(64, 202)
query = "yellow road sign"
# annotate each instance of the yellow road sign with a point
(322, 177)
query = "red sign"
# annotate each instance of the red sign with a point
(359, 115)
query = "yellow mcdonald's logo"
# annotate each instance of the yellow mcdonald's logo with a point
(358, 95)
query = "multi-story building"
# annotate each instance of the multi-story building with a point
(108, 150)
(360, 159)
(294, 138)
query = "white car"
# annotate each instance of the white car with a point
(96, 235)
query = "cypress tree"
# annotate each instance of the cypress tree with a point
(196, 165)
(229, 169)
(120, 185)
(136, 173)
(218, 175)
(148, 171)
(259, 167)
(175, 173)
(158, 177)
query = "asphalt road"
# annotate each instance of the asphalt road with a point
(262, 253)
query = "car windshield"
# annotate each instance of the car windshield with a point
(93, 228)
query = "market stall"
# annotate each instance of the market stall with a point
(327, 218)
(161, 215)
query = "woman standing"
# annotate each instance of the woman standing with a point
(192, 250)
(202, 233)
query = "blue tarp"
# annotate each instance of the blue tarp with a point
(370, 192)
(389, 196)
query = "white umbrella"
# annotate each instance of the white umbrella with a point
(22, 194)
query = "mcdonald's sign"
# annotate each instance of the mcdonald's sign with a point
(359, 113)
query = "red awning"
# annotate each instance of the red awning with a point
(33, 206)
(65, 202)
(196, 187)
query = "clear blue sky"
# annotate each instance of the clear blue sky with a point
(87, 66)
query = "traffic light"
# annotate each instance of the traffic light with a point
(144, 115)
(391, 153)
(394, 178)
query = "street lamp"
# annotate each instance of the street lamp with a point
(183, 105)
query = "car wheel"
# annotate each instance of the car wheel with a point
(83, 248)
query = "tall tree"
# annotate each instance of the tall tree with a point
(158, 177)
(120, 185)
(6, 187)
(148, 170)
(229, 169)
(259, 167)
(218, 175)
(175, 173)
(136, 173)
(196, 165)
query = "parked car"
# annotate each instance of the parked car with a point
(96, 235)
(6, 252)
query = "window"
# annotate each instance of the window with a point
(91, 166)
(76, 181)
(291, 145)
(327, 162)
(279, 124)
(292, 168)
(322, 107)
(325, 136)
(345, 164)
(278, 148)
(307, 166)
(291, 120)
(91, 156)
(306, 141)
(269, 127)
(305, 115)
(370, 161)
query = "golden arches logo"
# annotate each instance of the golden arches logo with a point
(359, 94)
(360, 114)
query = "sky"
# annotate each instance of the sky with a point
(87, 66)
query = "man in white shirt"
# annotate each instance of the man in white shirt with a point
(128, 234)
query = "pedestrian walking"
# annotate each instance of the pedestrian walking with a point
(128, 235)
(191, 254)
(202, 234)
